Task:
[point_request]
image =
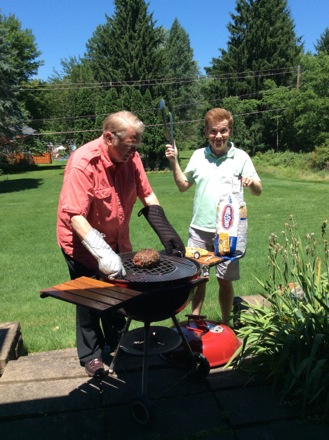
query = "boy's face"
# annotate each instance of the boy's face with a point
(218, 135)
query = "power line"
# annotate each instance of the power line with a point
(143, 110)
(160, 81)
(194, 121)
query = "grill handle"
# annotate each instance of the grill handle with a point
(197, 281)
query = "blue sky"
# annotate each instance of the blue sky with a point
(62, 27)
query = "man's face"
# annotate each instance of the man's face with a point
(218, 135)
(121, 148)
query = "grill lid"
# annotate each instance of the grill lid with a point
(170, 268)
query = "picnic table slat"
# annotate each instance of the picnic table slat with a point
(82, 283)
(95, 294)
(62, 295)
(95, 285)
(107, 296)
(86, 281)
(107, 292)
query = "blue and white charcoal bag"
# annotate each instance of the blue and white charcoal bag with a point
(231, 227)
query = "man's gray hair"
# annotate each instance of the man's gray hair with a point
(119, 122)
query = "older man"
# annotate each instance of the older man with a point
(102, 182)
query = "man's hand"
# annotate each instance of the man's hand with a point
(171, 241)
(109, 263)
(171, 152)
(255, 186)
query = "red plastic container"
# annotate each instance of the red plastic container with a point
(217, 342)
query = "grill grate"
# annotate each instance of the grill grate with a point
(163, 267)
(169, 268)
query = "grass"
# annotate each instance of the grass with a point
(31, 260)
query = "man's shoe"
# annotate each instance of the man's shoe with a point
(95, 368)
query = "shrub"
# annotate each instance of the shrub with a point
(319, 158)
(13, 162)
(286, 159)
(288, 339)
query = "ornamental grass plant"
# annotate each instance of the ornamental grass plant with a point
(287, 337)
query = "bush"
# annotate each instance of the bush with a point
(286, 159)
(289, 337)
(13, 162)
(319, 158)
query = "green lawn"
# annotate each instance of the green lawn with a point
(31, 260)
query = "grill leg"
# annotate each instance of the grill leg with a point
(147, 326)
(126, 327)
(184, 340)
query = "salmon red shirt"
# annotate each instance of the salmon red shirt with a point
(104, 193)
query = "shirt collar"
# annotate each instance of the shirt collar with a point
(107, 162)
(230, 154)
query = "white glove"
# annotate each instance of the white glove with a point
(109, 263)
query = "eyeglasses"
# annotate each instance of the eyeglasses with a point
(127, 145)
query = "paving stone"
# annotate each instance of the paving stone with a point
(254, 405)
(50, 365)
(256, 300)
(189, 417)
(226, 379)
(82, 425)
(45, 397)
(161, 383)
(285, 430)
(48, 396)
(11, 343)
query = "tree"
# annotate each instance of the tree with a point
(108, 102)
(262, 43)
(183, 92)
(11, 115)
(178, 57)
(312, 103)
(23, 49)
(72, 96)
(246, 132)
(18, 63)
(277, 128)
(35, 103)
(126, 47)
(323, 43)
(153, 140)
(296, 119)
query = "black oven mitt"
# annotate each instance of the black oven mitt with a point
(156, 217)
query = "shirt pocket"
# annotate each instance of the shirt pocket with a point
(236, 184)
(231, 184)
(103, 204)
(103, 193)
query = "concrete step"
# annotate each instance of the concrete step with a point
(11, 343)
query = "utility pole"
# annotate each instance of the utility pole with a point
(298, 77)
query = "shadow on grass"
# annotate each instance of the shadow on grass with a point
(8, 184)
(15, 185)
(50, 167)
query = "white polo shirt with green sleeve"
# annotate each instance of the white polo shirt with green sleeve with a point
(215, 176)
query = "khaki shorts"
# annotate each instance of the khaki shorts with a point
(228, 270)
